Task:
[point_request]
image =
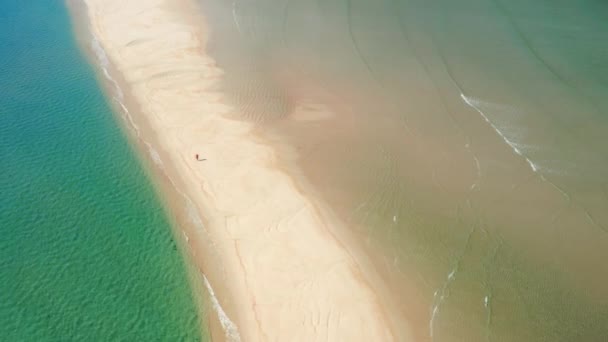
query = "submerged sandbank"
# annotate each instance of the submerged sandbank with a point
(278, 271)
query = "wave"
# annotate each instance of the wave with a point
(230, 329)
(104, 63)
(476, 104)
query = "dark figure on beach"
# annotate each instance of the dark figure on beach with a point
(196, 156)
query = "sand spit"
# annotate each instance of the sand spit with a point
(278, 272)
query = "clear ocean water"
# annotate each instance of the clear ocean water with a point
(86, 252)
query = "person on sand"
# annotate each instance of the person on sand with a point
(196, 156)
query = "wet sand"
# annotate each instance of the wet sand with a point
(462, 144)
(271, 255)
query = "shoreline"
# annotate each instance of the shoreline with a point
(179, 206)
(298, 283)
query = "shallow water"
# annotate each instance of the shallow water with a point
(87, 253)
(465, 142)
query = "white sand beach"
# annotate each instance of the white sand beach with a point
(284, 276)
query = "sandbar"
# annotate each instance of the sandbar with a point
(278, 272)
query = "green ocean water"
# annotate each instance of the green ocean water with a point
(466, 145)
(86, 252)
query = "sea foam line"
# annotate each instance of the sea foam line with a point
(104, 63)
(230, 328)
(235, 17)
(438, 298)
(443, 292)
(475, 105)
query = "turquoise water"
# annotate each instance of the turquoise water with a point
(465, 143)
(86, 252)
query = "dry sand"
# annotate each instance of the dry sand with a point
(282, 275)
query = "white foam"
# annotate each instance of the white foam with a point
(124, 108)
(235, 18)
(193, 214)
(451, 275)
(155, 156)
(439, 298)
(435, 311)
(104, 63)
(230, 329)
(100, 52)
(476, 104)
